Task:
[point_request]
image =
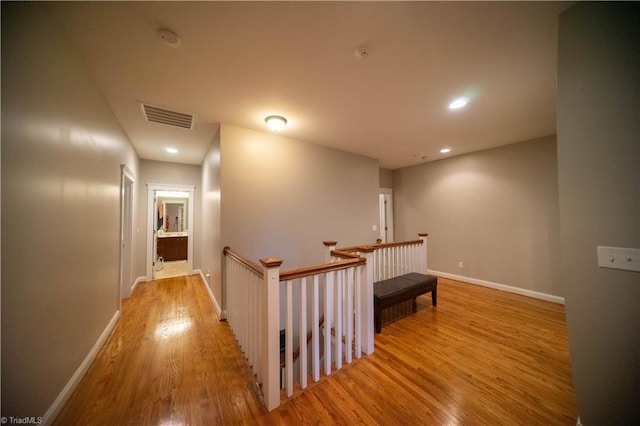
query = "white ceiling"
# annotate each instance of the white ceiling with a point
(241, 61)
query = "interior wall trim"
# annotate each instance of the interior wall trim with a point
(72, 384)
(136, 282)
(502, 287)
(216, 306)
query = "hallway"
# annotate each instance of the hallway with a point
(168, 362)
(483, 357)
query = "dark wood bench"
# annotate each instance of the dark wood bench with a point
(399, 289)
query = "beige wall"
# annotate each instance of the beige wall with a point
(61, 154)
(599, 178)
(494, 210)
(211, 247)
(159, 172)
(386, 178)
(282, 198)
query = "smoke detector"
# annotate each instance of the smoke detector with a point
(169, 38)
(362, 51)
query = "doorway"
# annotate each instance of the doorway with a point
(386, 215)
(170, 234)
(126, 230)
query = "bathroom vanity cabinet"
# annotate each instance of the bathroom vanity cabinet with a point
(173, 248)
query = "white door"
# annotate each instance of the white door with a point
(386, 215)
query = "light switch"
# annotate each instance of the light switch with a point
(374, 227)
(627, 259)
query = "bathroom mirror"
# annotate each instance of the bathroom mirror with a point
(172, 214)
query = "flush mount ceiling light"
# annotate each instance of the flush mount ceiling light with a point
(171, 150)
(458, 103)
(445, 150)
(275, 122)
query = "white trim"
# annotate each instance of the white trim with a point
(71, 385)
(127, 172)
(151, 215)
(127, 179)
(578, 422)
(502, 287)
(389, 222)
(136, 282)
(216, 306)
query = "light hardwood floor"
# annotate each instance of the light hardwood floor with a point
(482, 357)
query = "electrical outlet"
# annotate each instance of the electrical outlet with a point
(374, 228)
(460, 265)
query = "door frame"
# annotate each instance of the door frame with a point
(127, 181)
(152, 223)
(386, 212)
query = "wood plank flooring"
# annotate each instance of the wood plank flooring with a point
(482, 357)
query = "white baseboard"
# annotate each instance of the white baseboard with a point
(136, 282)
(71, 385)
(216, 306)
(502, 287)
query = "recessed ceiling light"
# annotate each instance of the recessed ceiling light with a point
(458, 103)
(275, 122)
(171, 150)
(445, 150)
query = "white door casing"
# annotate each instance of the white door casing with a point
(386, 215)
(151, 223)
(126, 230)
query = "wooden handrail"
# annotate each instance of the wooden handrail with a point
(308, 271)
(397, 244)
(379, 245)
(344, 254)
(351, 260)
(252, 266)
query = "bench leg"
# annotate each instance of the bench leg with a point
(414, 305)
(434, 297)
(378, 321)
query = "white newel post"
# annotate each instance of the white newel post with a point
(270, 351)
(423, 261)
(329, 247)
(367, 299)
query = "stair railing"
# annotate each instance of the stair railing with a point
(390, 259)
(342, 289)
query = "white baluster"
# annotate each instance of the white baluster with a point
(349, 317)
(328, 312)
(261, 292)
(358, 310)
(303, 334)
(288, 366)
(315, 330)
(339, 314)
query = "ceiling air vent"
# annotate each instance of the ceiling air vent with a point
(164, 116)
